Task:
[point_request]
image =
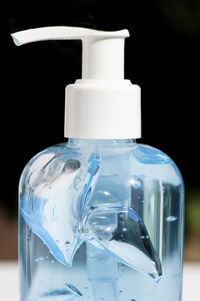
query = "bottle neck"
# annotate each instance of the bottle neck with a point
(102, 142)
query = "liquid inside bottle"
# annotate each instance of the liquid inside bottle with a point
(101, 220)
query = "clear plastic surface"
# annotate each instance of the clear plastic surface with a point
(101, 220)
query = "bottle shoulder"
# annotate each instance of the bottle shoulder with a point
(143, 153)
(134, 158)
(156, 163)
(53, 156)
(147, 154)
(62, 151)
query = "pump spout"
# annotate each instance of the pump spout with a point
(101, 105)
(103, 51)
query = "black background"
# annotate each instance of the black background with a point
(162, 56)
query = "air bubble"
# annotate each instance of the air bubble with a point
(73, 164)
(67, 243)
(39, 259)
(135, 183)
(171, 218)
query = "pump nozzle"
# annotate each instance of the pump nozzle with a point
(102, 105)
(103, 52)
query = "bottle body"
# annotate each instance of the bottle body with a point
(101, 220)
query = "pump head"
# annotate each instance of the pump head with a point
(102, 105)
(103, 52)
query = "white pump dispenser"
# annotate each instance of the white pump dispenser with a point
(102, 105)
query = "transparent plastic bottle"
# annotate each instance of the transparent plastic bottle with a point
(101, 220)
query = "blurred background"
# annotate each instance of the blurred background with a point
(162, 56)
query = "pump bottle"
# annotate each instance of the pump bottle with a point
(100, 217)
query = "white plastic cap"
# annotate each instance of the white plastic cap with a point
(102, 105)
